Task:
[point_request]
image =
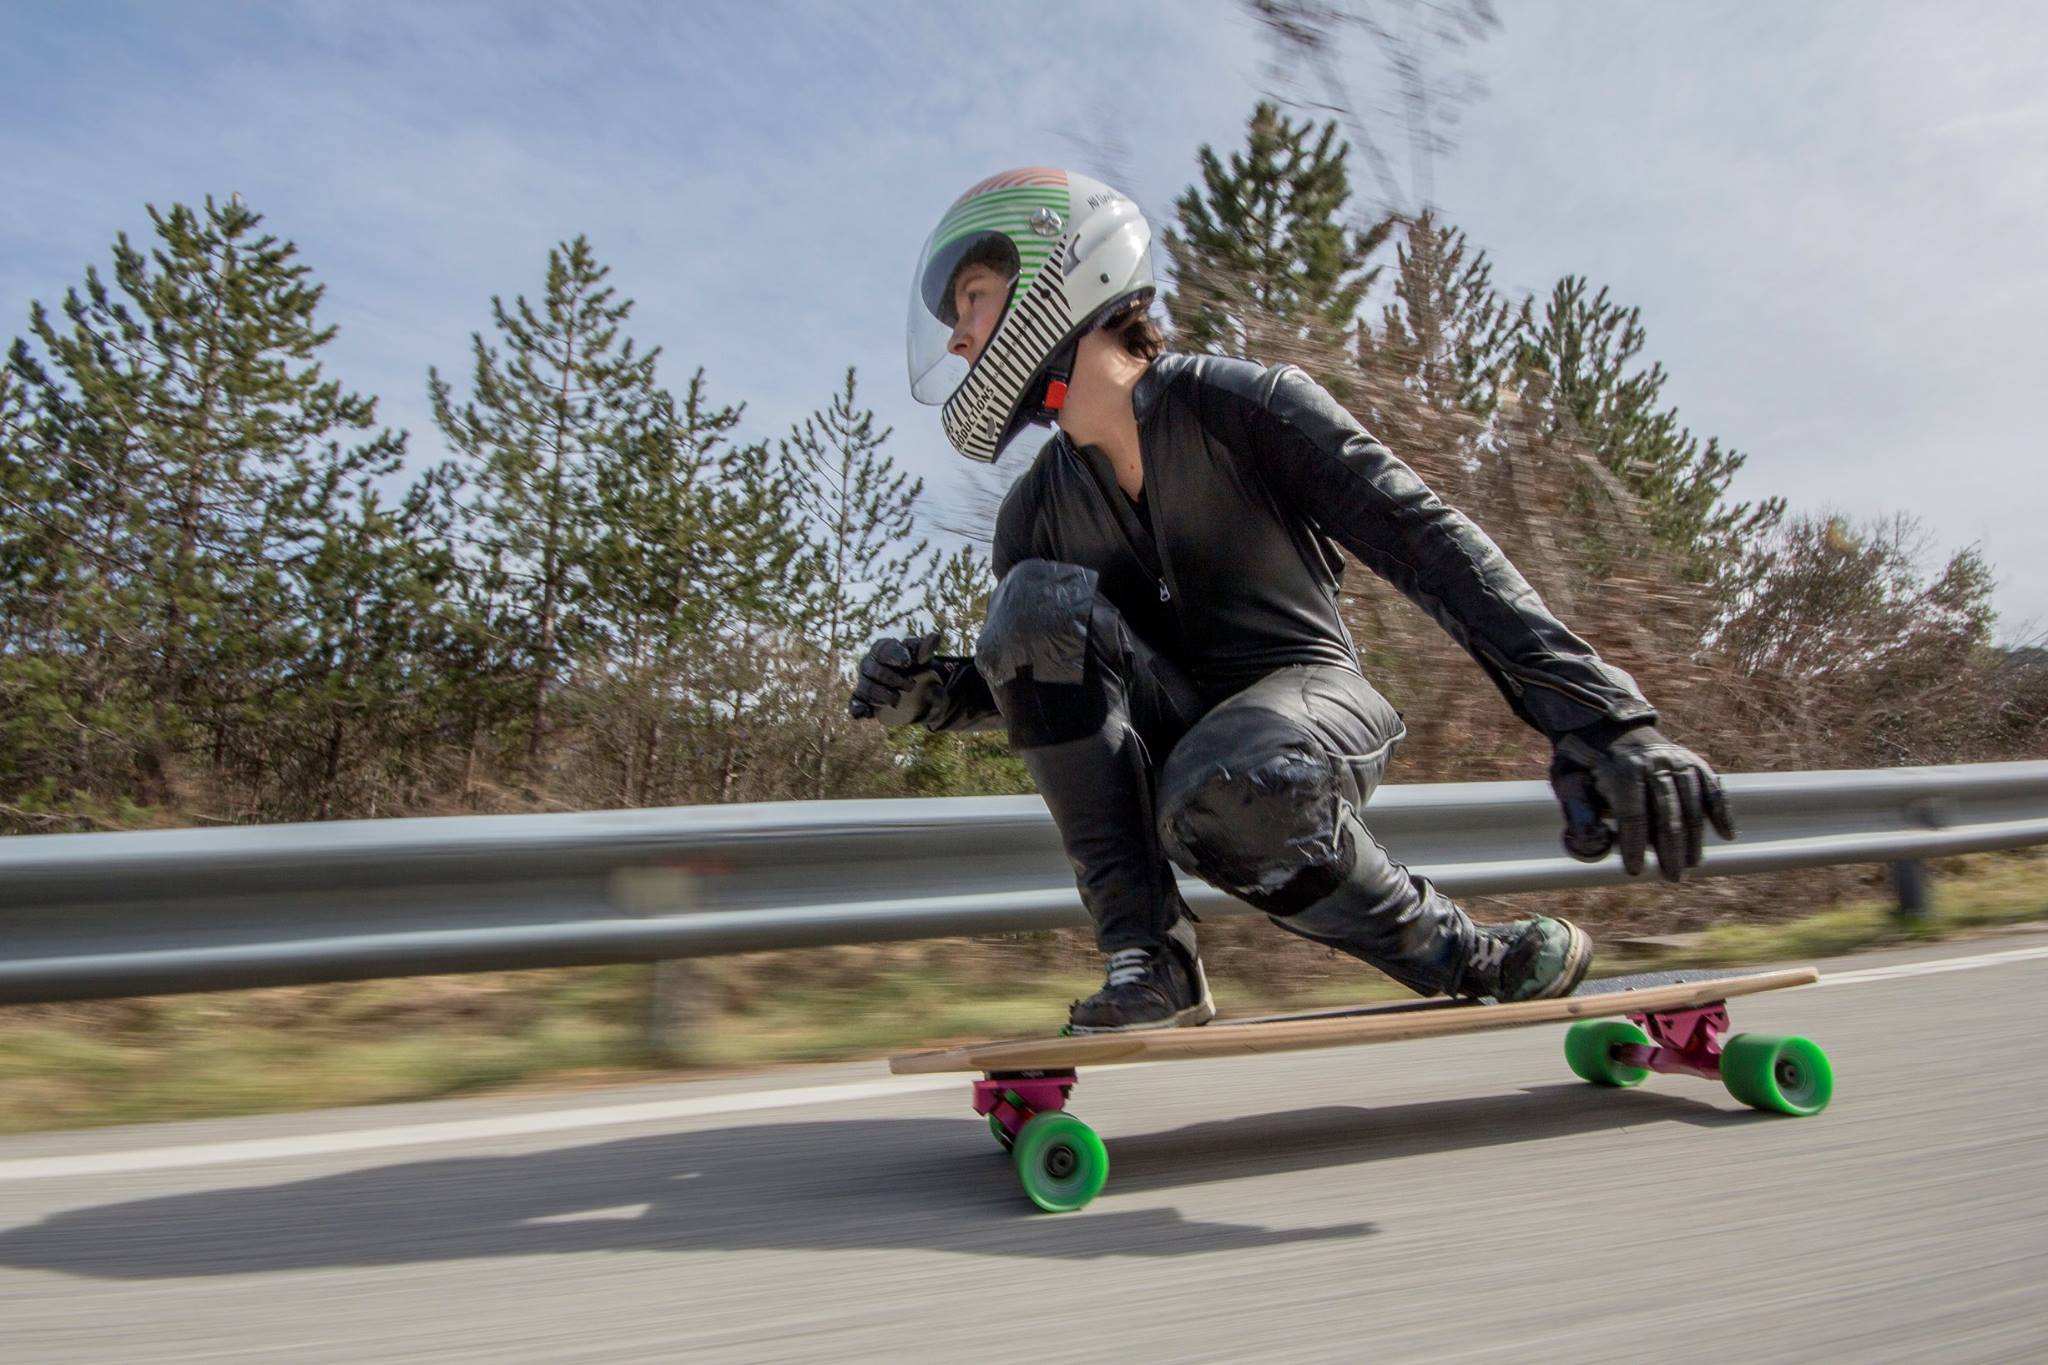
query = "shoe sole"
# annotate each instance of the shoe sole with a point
(1194, 1016)
(1190, 1018)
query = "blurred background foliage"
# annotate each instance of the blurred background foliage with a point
(222, 602)
(227, 594)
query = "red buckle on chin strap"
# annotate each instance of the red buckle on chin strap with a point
(1056, 395)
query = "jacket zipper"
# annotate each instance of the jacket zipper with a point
(1115, 515)
(1108, 494)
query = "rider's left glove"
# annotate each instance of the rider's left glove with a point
(897, 681)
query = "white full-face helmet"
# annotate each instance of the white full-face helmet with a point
(1074, 250)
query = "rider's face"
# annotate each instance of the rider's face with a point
(979, 292)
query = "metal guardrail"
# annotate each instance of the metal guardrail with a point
(88, 916)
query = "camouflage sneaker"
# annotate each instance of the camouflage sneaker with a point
(1531, 959)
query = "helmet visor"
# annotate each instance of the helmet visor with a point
(936, 368)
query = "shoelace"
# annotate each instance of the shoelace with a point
(1128, 966)
(1488, 953)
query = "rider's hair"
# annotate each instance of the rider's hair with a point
(1132, 322)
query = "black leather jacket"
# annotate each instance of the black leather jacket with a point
(1253, 479)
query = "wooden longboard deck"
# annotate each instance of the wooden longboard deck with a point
(1595, 999)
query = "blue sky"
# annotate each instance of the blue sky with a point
(1830, 213)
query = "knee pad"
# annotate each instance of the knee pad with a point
(1037, 624)
(1034, 653)
(1258, 820)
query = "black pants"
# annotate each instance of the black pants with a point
(1259, 795)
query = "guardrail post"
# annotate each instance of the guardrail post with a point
(682, 1002)
(1909, 880)
(682, 993)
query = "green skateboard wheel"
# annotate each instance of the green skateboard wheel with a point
(1061, 1162)
(1790, 1075)
(995, 1125)
(1589, 1050)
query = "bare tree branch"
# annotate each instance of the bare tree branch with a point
(1419, 44)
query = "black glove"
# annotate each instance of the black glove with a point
(897, 680)
(1635, 787)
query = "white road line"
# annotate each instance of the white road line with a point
(1931, 968)
(663, 1111)
(460, 1130)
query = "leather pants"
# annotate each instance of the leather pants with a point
(1259, 795)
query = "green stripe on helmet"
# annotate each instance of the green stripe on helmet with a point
(1013, 205)
(1038, 194)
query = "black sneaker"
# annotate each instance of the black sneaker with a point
(1531, 959)
(1162, 987)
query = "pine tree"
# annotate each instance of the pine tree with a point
(1580, 361)
(564, 388)
(761, 699)
(1446, 337)
(1264, 264)
(861, 515)
(201, 456)
(31, 539)
(697, 551)
(764, 562)
(363, 734)
(468, 678)
(956, 599)
(652, 583)
(37, 679)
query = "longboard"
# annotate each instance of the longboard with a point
(1622, 1028)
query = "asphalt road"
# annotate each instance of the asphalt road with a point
(1454, 1200)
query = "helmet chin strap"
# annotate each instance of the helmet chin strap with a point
(1058, 372)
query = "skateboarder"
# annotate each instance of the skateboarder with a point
(1164, 644)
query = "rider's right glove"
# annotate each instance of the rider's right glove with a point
(897, 681)
(1631, 786)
